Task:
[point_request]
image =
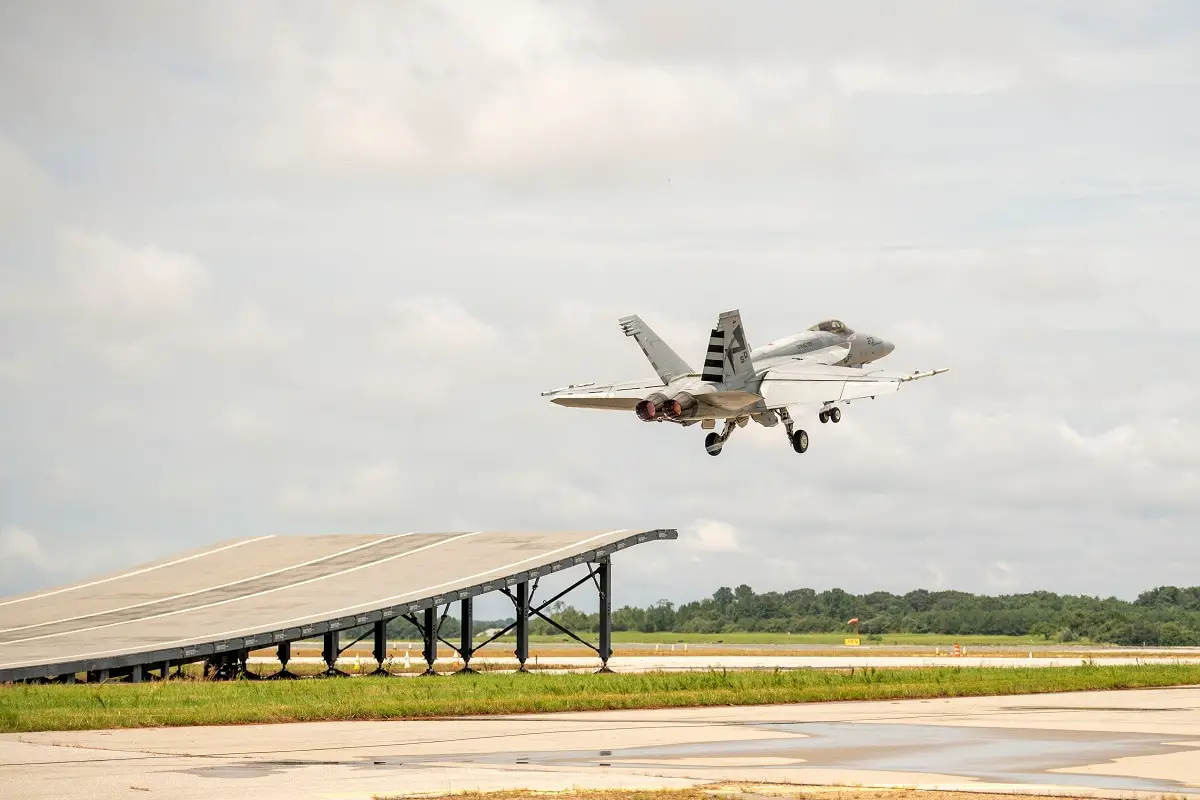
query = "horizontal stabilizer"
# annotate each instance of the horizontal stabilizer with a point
(610, 396)
(729, 401)
(608, 403)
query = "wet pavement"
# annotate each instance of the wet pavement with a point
(1114, 744)
(996, 756)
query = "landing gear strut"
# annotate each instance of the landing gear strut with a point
(799, 439)
(714, 441)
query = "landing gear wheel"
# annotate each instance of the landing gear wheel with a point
(799, 441)
(713, 444)
(835, 414)
(823, 416)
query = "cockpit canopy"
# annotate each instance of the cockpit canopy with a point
(833, 326)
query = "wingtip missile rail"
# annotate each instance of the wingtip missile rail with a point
(916, 376)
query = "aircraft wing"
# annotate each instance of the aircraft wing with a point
(611, 396)
(800, 383)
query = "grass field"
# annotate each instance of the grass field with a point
(82, 706)
(927, 639)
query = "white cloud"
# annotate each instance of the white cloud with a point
(530, 96)
(937, 577)
(550, 495)
(253, 328)
(557, 95)
(711, 536)
(27, 189)
(426, 328)
(125, 283)
(245, 423)
(1002, 578)
(369, 489)
(20, 549)
(15, 370)
(950, 77)
(63, 483)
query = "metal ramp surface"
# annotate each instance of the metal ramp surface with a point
(257, 592)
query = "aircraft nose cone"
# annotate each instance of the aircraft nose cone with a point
(888, 347)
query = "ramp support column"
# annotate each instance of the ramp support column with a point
(430, 634)
(380, 651)
(466, 636)
(330, 652)
(283, 652)
(522, 624)
(605, 586)
(135, 673)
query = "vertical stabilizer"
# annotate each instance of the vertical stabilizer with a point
(666, 362)
(728, 358)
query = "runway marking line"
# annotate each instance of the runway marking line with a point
(310, 562)
(236, 599)
(136, 571)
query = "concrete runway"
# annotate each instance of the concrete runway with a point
(1143, 743)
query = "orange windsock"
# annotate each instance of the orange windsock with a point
(853, 621)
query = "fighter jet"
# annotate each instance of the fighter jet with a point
(817, 369)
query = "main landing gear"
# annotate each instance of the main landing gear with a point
(798, 438)
(715, 441)
(833, 415)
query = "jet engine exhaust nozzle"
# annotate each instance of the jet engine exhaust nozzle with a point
(681, 406)
(651, 408)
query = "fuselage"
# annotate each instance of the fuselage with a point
(863, 348)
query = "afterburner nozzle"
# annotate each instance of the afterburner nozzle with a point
(681, 406)
(651, 408)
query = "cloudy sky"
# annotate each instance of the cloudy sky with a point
(305, 267)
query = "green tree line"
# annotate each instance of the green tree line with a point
(1165, 616)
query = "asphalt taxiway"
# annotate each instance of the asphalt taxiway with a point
(1138, 743)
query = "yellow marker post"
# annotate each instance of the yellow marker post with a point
(852, 642)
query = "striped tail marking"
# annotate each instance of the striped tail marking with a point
(714, 359)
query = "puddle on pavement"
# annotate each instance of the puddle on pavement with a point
(988, 754)
(1000, 755)
(1089, 709)
(253, 768)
